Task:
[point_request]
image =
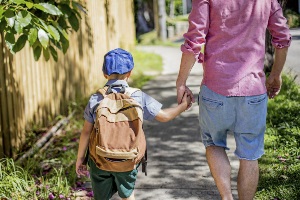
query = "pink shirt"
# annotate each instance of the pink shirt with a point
(234, 36)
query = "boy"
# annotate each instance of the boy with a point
(117, 67)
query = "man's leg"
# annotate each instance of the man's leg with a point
(221, 170)
(247, 179)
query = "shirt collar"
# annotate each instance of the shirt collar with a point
(117, 82)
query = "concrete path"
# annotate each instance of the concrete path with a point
(293, 58)
(177, 167)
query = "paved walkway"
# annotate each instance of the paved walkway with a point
(177, 167)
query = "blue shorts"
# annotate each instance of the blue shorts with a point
(244, 116)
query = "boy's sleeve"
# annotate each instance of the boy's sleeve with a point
(151, 107)
(89, 111)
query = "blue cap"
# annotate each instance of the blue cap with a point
(117, 61)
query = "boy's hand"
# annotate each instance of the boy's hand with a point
(186, 100)
(81, 170)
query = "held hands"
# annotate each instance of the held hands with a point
(185, 95)
(81, 170)
(273, 85)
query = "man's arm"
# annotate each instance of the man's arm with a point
(187, 62)
(274, 81)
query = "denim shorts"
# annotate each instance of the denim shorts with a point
(244, 116)
(105, 184)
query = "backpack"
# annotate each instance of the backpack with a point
(117, 142)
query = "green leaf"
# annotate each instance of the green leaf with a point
(37, 52)
(17, 1)
(32, 36)
(24, 18)
(74, 22)
(62, 22)
(18, 27)
(48, 8)
(9, 13)
(10, 40)
(46, 54)
(29, 5)
(2, 25)
(53, 32)
(43, 38)
(1, 11)
(64, 43)
(10, 21)
(66, 10)
(53, 53)
(20, 43)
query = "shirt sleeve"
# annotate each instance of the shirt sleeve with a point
(277, 25)
(198, 28)
(89, 111)
(151, 107)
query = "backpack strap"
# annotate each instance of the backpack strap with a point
(129, 90)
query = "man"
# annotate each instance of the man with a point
(234, 89)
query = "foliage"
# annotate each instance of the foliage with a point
(44, 24)
(177, 7)
(293, 18)
(280, 166)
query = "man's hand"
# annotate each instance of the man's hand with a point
(181, 91)
(273, 85)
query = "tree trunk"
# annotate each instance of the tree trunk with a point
(172, 9)
(269, 48)
(160, 19)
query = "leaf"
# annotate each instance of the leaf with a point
(10, 40)
(64, 43)
(66, 10)
(43, 38)
(3, 24)
(74, 22)
(24, 18)
(53, 32)
(17, 1)
(53, 53)
(18, 27)
(1, 11)
(29, 4)
(20, 43)
(9, 13)
(46, 54)
(62, 22)
(48, 8)
(10, 21)
(37, 52)
(32, 36)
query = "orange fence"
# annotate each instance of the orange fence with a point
(36, 92)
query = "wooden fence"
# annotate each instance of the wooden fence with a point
(36, 92)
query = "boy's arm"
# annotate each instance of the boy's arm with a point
(83, 145)
(168, 114)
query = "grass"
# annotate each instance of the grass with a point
(280, 166)
(50, 174)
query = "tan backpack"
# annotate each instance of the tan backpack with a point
(117, 142)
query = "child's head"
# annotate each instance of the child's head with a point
(117, 64)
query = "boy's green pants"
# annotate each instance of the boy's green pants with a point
(105, 184)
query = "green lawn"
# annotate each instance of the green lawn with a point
(280, 166)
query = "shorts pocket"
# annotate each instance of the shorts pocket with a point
(211, 103)
(257, 100)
